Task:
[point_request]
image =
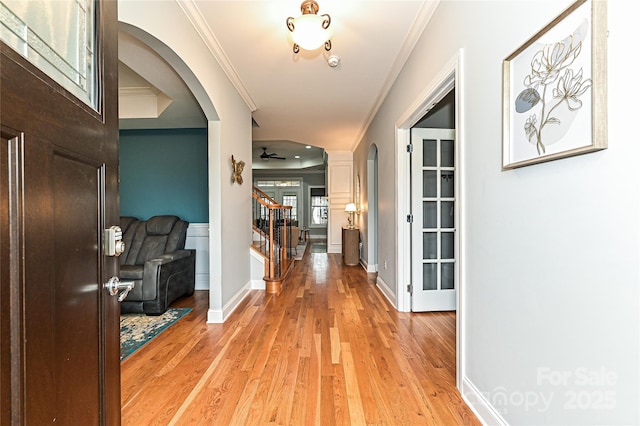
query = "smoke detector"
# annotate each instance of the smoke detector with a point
(333, 61)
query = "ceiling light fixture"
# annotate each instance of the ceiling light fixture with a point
(310, 30)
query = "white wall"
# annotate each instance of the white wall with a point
(229, 134)
(551, 275)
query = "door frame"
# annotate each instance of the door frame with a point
(372, 213)
(449, 77)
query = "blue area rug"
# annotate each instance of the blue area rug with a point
(136, 330)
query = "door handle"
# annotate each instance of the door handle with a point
(115, 286)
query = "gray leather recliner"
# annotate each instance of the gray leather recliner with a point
(155, 259)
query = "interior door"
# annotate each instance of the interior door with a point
(59, 332)
(433, 236)
(286, 197)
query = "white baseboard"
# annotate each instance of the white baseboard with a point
(369, 268)
(479, 404)
(386, 290)
(216, 316)
(334, 248)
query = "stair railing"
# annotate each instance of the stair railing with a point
(272, 231)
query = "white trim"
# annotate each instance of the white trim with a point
(215, 316)
(340, 192)
(194, 15)
(215, 217)
(372, 202)
(387, 291)
(450, 76)
(461, 354)
(198, 230)
(202, 281)
(373, 268)
(479, 404)
(439, 87)
(403, 230)
(423, 17)
(198, 239)
(257, 270)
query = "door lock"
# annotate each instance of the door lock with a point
(113, 244)
(114, 285)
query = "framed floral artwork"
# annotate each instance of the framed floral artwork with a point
(554, 89)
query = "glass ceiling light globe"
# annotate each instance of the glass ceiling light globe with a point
(308, 33)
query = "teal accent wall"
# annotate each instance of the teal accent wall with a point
(164, 171)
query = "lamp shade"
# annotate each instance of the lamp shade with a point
(351, 207)
(309, 33)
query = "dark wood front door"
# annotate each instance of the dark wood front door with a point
(59, 333)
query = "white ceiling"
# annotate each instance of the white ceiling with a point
(295, 98)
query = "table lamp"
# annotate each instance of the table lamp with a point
(351, 209)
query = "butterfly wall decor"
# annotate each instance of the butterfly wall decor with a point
(236, 170)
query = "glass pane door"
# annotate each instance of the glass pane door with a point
(57, 36)
(433, 229)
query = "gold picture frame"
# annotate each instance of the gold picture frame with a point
(555, 89)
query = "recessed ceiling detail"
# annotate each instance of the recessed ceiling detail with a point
(284, 154)
(137, 98)
(282, 89)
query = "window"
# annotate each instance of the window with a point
(291, 200)
(319, 204)
(285, 191)
(277, 183)
(65, 52)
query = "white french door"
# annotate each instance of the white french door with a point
(434, 242)
(286, 197)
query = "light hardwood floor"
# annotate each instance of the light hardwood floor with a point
(328, 350)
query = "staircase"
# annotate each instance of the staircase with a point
(271, 238)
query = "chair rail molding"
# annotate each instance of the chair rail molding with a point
(198, 239)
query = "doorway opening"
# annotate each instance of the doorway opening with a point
(433, 182)
(447, 80)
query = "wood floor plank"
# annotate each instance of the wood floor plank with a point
(328, 350)
(354, 400)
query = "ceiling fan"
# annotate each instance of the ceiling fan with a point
(267, 156)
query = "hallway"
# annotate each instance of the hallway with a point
(328, 350)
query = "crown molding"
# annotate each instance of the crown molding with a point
(141, 102)
(194, 15)
(423, 17)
